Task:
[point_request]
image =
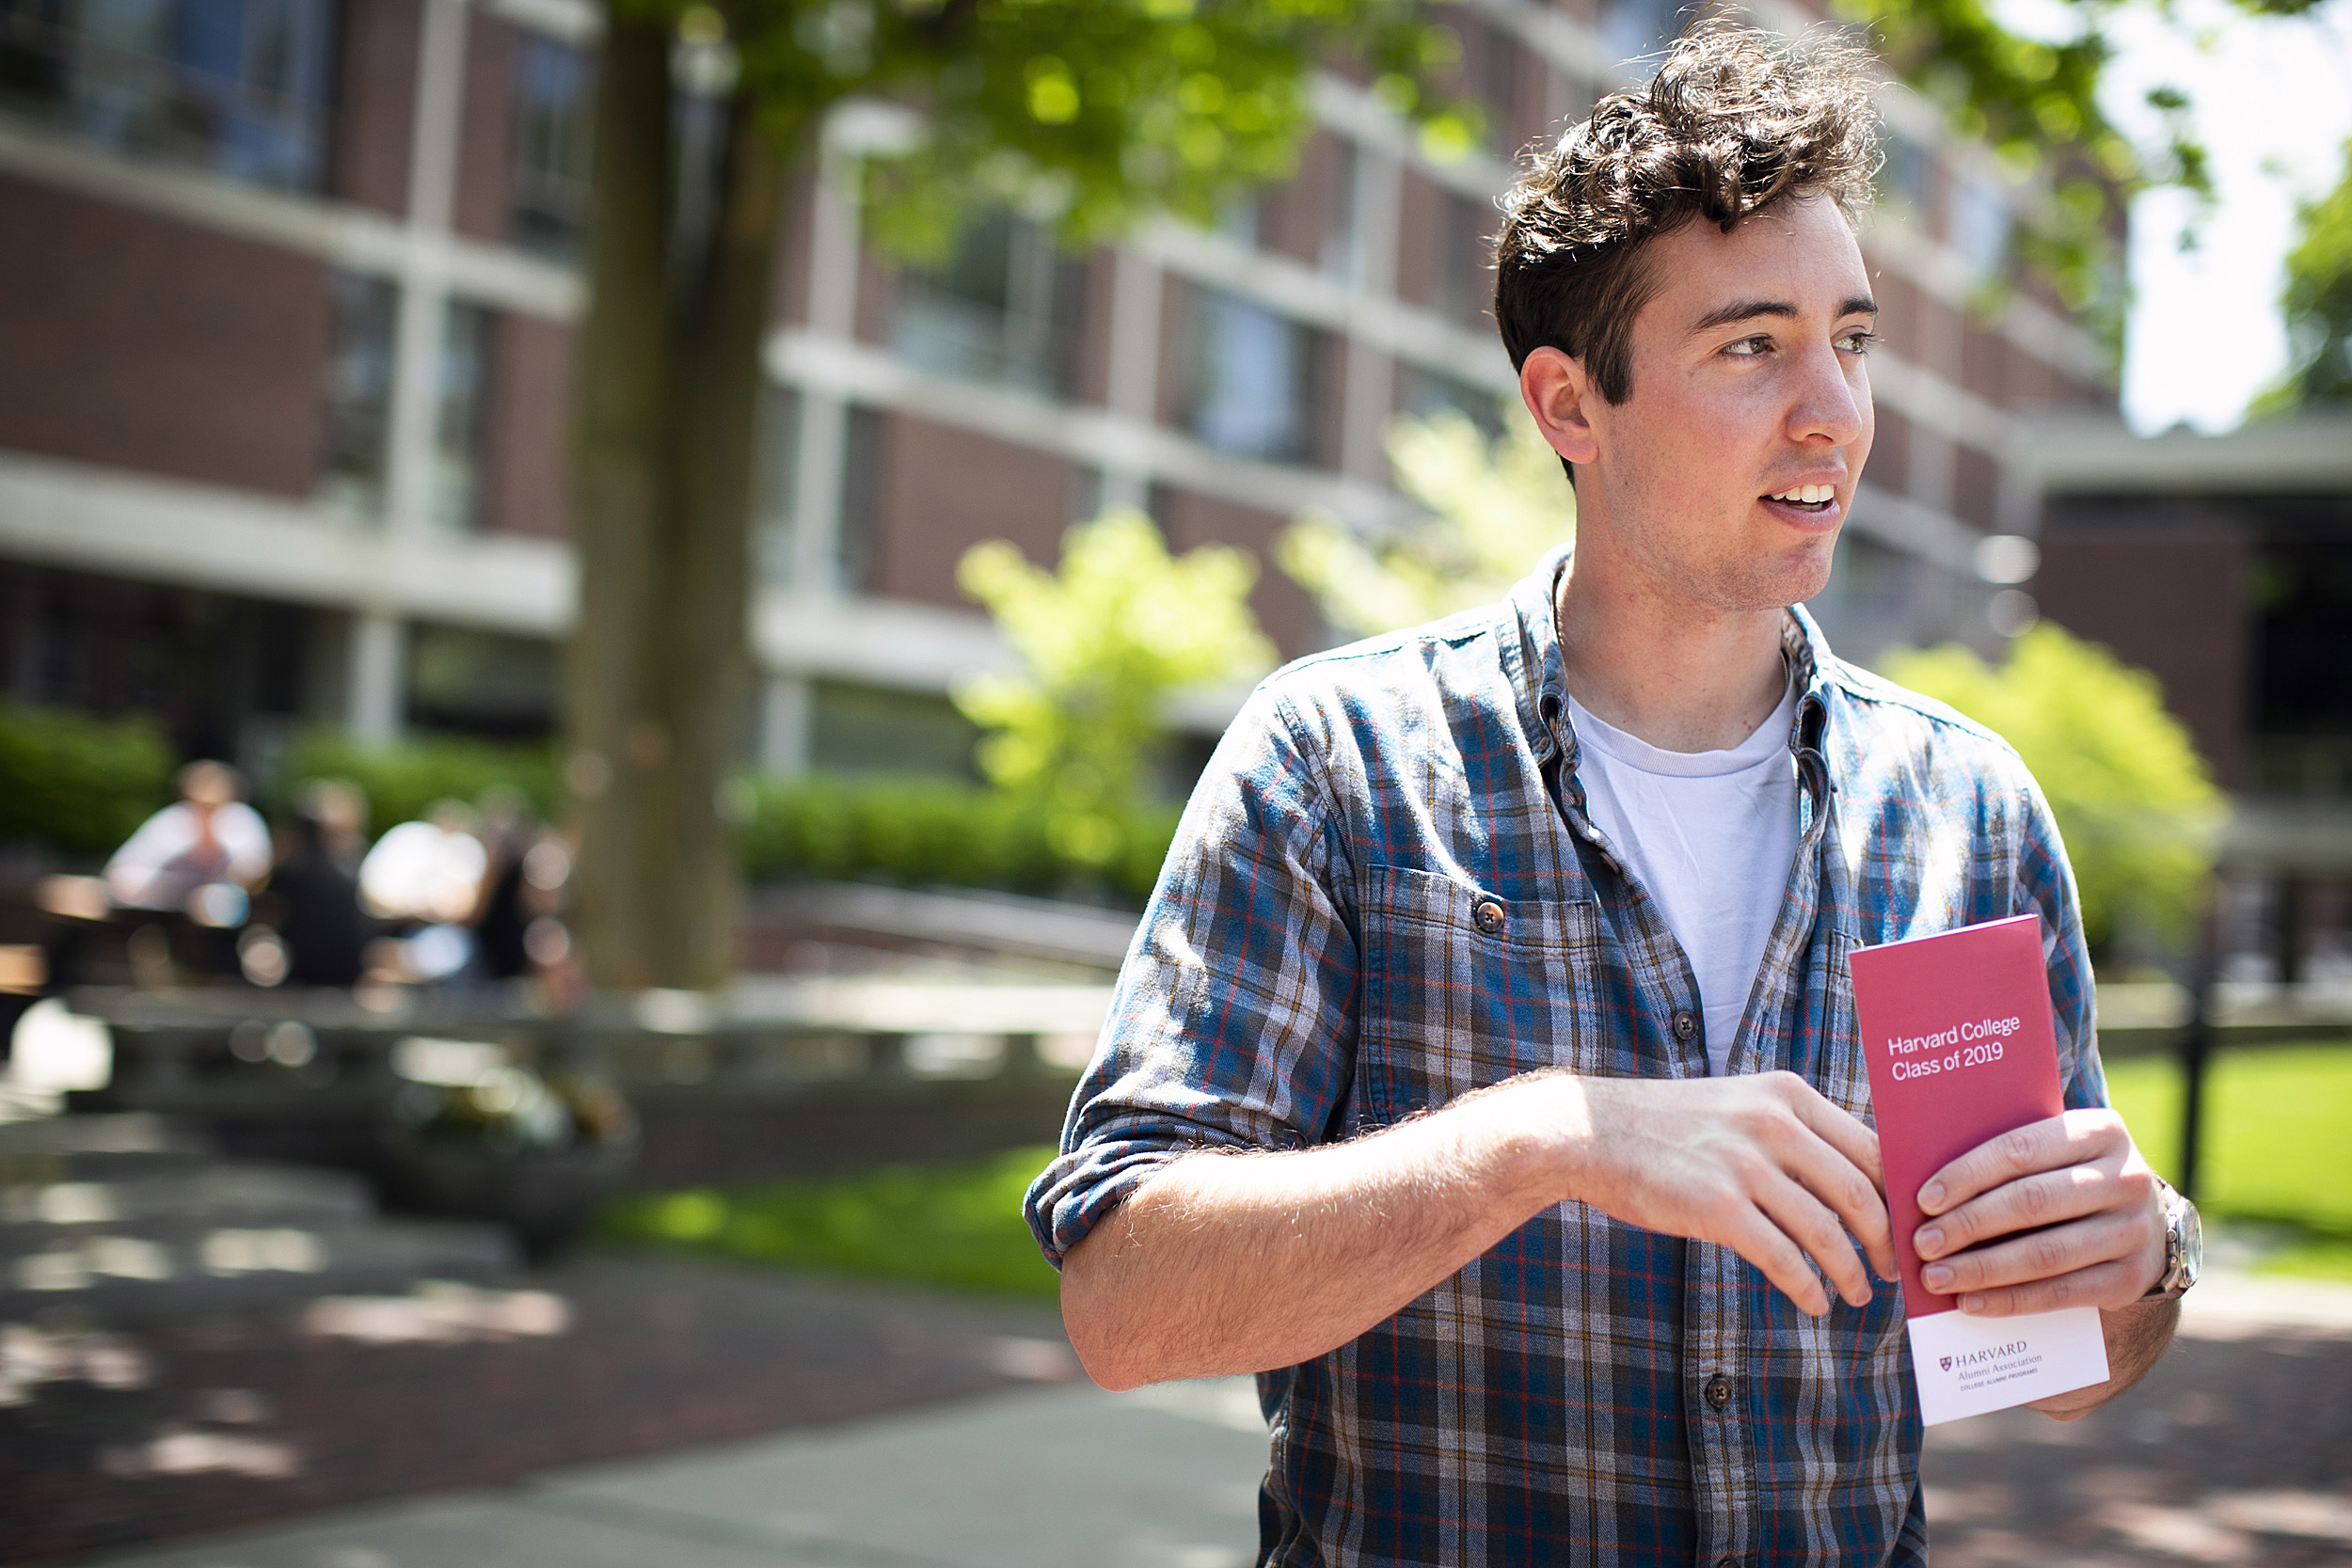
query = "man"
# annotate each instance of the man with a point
(1512, 952)
(208, 835)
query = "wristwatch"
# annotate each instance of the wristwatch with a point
(2183, 1247)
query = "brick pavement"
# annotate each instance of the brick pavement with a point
(2237, 1450)
(190, 1427)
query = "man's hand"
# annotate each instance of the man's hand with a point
(2079, 1209)
(1763, 1164)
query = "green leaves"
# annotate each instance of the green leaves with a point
(82, 785)
(1496, 507)
(2132, 798)
(1104, 643)
(2318, 305)
(2036, 102)
(1097, 110)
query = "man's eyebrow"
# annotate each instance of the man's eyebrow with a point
(1748, 309)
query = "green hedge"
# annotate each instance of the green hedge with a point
(404, 779)
(934, 832)
(83, 784)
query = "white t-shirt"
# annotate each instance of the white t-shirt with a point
(1710, 835)
(158, 867)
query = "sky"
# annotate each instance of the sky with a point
(2273, 100)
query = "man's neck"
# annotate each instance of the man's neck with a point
(1682, 676)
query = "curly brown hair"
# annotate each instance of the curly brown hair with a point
(1737, 119)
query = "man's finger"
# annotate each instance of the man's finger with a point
(1812, 1225)
(1755, 1238)
(2044, 1255)
(2101, 1285)
(1845, 1132)
(2026, 1150)
(2024, 1204)
(1829, 1175)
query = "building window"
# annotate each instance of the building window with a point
(1494, 55)
(1635, 32)
(1423, 392)
(364, 314)
(1003, 307)
(1466, 283)
(775, 482)
(481, 683)
(1976, 223)
(1248, 383)
(1341, 253)
(237, 87)
(1902, 177)
(554, 112)
(460, 399)
(858, 550)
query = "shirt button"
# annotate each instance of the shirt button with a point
(1728, 1563)
(1488, 917)
(1718, 1391)
(1686, 1025)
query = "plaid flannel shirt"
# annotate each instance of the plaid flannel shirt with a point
(1320, 961)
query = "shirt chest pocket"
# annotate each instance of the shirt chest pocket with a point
(1461, 989)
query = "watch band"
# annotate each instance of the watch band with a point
(2183, 1247)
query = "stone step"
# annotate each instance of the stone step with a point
(116, 1275)
(98, 1148)
(224, 1192)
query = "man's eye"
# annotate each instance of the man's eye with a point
(1859, 341)
(1749, 347)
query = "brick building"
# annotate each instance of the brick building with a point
(287, 291)
(2222, 564)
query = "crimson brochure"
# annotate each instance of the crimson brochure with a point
(1957, 1034)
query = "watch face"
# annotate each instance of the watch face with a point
(2192, 1233)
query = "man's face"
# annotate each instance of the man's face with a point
(1748, 386)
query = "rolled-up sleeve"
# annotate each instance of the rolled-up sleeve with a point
(2045, 885)
(1231, 1028)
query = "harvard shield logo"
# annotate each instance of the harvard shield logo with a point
(1948, 1362)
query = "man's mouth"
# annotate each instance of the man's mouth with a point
(1807, 497)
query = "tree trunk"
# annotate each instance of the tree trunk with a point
(666, 410)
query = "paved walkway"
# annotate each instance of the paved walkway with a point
(2238, 1450)
(1061, 1478)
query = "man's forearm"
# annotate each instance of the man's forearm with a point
(2137, 1336)
(1238, 1263)
(1242, 1263)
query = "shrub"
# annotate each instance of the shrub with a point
(82, 785)
(1106, 641)
(1495, 506)
(924, 831)
(2132, 798)
(404, 778)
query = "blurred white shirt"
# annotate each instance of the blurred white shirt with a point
(419, 871)
(167, 860)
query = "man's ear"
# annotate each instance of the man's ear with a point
(1557, 392)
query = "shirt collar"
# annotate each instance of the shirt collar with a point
(1538, 677)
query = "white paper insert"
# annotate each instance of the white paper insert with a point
(1968, 1365)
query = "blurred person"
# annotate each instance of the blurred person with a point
(1512, 951)
(207, 837)
(509, 829)
(427, 876)
(428, 871)
(312, 899)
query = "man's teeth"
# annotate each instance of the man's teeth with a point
(1811, 494)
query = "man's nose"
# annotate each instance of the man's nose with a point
(1829, 402)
